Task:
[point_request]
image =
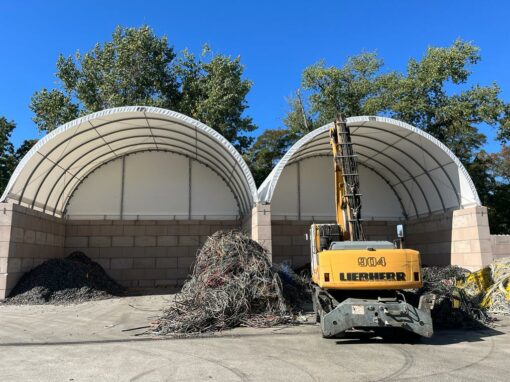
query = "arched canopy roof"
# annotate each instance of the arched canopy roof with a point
(424, 175)
(47, 176)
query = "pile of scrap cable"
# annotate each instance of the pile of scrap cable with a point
(232, 284)
(468, 299)
(454, 306)
(491, 287)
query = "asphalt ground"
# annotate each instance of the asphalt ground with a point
(99, 341)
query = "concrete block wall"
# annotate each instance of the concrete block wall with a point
(459, 237)
(432, 236)
(27, 238)
(289, 243)
(471, 238)
(143, 253)
(261, 227)
(500, 246)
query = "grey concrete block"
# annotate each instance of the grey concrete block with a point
(100, 241)
(123, 241)
(145, 241)
(153, 251)
(185, 262)
(110, 252)
(121, 263)
(144, 262)
(14, 265)
(166, 283)
(155, 230)
(177, 251)
(76, 241)
(134, 230)
(29, 236)
(143, 274)
(199, 229)
(18, 234)
(106, 230)
(282, 240)
(166, 262)
(167, 241)
(189, 240)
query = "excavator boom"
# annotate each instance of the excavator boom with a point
(347, 194)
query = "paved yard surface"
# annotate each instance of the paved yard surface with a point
(86, 342)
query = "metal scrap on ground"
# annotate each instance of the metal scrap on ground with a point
(468, 299)
(232, 284)
(454, 307)
(73, 279)
(491, 286)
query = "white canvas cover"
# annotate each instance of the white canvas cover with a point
(47, 176)
(424, 175)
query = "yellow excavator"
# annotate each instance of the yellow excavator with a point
(358, 285)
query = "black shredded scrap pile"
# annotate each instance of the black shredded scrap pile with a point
(454, 308)
(295, 287)
(73, 279)
(232, 284)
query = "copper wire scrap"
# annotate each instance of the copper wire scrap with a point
(232, 284)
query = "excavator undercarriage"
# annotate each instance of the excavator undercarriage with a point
(371, 312)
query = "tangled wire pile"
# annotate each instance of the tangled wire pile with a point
(73, 279)
(454, 306)
(497, 295)
(232, 284)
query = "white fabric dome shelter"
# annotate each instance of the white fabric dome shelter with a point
(139, 190)
(404, 173)
(86, 168)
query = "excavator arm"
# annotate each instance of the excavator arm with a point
(347, 194)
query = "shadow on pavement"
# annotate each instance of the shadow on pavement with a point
(440, 337)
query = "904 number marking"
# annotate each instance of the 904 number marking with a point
(371, 261)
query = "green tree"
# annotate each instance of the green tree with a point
(357, 88)
(213, 92)
(139, 68)
(494, 188)
(7, 161)
(10, 157)
(269, 147)
(423, 97)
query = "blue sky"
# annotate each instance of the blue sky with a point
(276, 40)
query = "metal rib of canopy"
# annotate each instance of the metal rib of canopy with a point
(424, 174)
(60, 161)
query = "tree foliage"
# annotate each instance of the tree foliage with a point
(425, 96)
(269, 147)
(10, 157)
(357, 88)
(139, 68)
(7, 150)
